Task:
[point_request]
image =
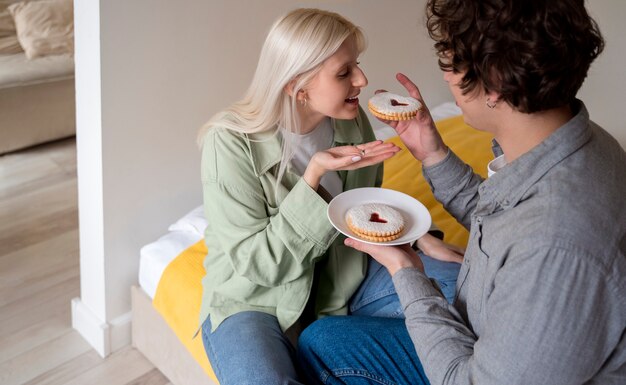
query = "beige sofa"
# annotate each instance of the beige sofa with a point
(36, 100)
(36, 72)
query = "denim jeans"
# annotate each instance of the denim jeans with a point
(377, 296)
(359, 350)
(250, 348)
(362, 349)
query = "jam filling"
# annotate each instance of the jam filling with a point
(394, 102)
(376, 218)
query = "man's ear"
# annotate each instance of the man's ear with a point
(492, 95)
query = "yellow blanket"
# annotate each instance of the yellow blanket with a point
(179, 292)
(178, 299)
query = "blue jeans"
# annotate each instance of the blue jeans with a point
(250, 348)
(377, 296)
(358, 350)
(361, 350)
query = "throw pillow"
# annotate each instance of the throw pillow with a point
(44, 27)
(8, 37)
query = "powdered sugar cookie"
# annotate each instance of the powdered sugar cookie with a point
(375, 222)
(389, 106)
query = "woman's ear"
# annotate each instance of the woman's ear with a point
(289, 87)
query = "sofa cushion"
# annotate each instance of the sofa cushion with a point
(8, 36)
(44, 27)
(16, 70)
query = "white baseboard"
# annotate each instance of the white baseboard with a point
(104, 337)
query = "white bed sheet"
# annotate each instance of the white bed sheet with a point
(155, 256)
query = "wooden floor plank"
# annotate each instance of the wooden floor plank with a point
(24, 339)
(19, 172)
(56, 299)
(153, 377)
(48, 226)
(29, 270)
(25, 204)
(66, 372)
(118, 369)
(43, 358)
(39, 275)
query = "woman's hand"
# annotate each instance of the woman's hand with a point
(419, 134)
(347, 158)
(393, 258)
(438, 249)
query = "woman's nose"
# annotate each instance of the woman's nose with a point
(359, 80)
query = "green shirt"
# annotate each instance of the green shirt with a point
(263, 244)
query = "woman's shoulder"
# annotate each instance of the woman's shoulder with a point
(225, 143)
(225, 152)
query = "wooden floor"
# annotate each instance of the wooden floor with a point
(39, 275)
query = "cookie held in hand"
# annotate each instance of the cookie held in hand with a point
(389, 106)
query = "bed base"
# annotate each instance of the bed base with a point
(157, 342)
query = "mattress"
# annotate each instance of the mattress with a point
(189, 229)
(155, 256)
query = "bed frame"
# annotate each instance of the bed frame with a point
(158, 343)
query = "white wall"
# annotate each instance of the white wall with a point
(141, 86)
(603, 91)
(150, 72)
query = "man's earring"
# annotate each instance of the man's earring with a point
(490, 104)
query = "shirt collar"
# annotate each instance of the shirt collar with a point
(266, 147)
(508, 185)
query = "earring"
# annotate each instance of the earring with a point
(490, 104)
(303, 102)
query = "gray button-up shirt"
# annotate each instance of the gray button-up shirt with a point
(541, 295)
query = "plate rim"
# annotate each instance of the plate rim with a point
(398, 241)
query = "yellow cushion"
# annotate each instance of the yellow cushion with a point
(404, 173)
(178, 299)
(179, 292)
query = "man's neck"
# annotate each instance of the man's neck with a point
(519, 132)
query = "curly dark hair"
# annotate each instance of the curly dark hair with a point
(534, 53)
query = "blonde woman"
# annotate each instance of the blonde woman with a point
(270, 162)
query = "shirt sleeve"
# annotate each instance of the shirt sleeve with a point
(270, 246)
(543, 323)
(455, 185)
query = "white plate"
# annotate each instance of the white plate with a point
(416, 217)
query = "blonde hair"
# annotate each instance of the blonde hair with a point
(296, 46)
